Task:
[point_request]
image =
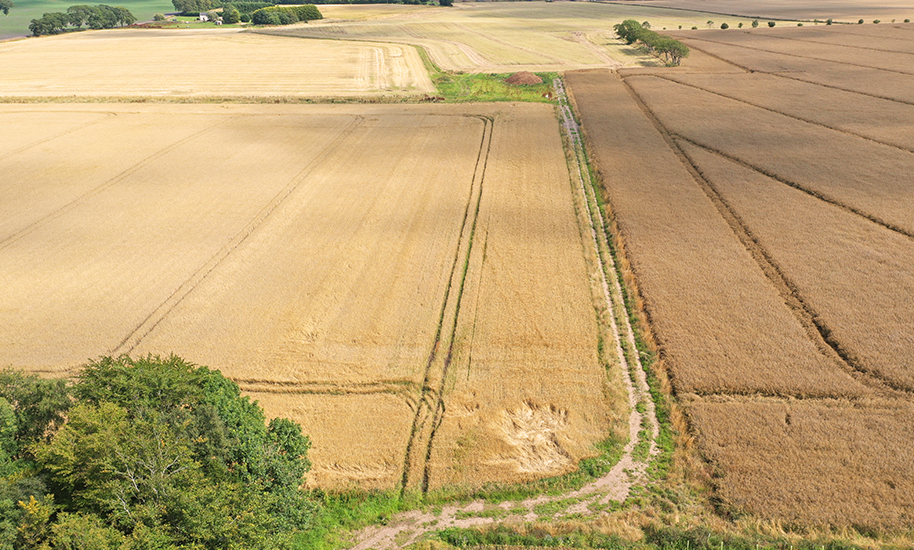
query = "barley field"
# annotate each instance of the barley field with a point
(370, 271)
(213, 64)
(764, 203)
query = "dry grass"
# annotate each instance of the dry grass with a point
(318, 255)
(193, 64)
(815, 194)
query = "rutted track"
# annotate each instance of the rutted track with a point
(408, 527)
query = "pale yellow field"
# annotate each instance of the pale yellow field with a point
(211, 63)
(502, 37)
(317, 255)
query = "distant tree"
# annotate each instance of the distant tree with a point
(6, 6)
(245, 18)
(646, 24)
(710, 23)
(158, 17)
(771, 23)
(740, 25)
(799, 24)
(446, 3)
(230, 16)
(860, 22)
(724, 26)
(755, 23)
(907, 20)
(79, 14)
(876, 21)
(828, 21)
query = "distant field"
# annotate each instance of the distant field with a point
(212, 63)
(787, 171)
(804, 10)
(17, 22)
(371, 272)
(503, 37)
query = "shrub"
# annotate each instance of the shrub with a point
(771, 23)
(799, 24)
(446, 3)
(860, 22)
(740, 25)
(876, 21)
(907, 20)
(245, 17)
(158, 17)
(828, 21)
(755, 23)
(724, 26)
(694, 28)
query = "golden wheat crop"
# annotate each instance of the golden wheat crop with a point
(353, 267)
(215, 63)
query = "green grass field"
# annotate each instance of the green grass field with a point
(17, 22)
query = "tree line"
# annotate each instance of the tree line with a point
(146, 453)
(671, 50)
(95, 17)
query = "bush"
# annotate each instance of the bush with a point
(724, 26)
(860, 22)
(245, 18)
(740, 25)
(694, 28)
(907, 20)
(755, 23)
(158, 17)
(828, 21)
(876, 21)
(799, 24)
(771, 23)
(446, 3)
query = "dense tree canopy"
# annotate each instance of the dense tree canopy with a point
(154, 453)
(96, 17)
(672, 50)
(6, 6)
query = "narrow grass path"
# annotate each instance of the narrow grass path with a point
(614, 486)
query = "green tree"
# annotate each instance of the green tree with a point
(163, 450)
(724, 26)
(771, 23)
(230, 16)
(755, 23)
(6, 6)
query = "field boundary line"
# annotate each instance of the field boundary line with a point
(791, 293)
(816, 329)
(842, 45)
(425, 408)
(37, 224)
(823, 60)
(157, 315)
(672, 78)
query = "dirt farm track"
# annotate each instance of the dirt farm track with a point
(393, 278)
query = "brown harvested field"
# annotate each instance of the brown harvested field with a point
(317, 255)
(839, 10)
(807, 183)
(213, 63)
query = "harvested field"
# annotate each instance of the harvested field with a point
(505, 37)
(212, 63)
(750, 202)
(369, 271)
(839, 10)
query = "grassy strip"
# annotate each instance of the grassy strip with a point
(457, 87)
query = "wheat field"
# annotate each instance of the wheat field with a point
(369, 271)
(764, 202)
(213, 64)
